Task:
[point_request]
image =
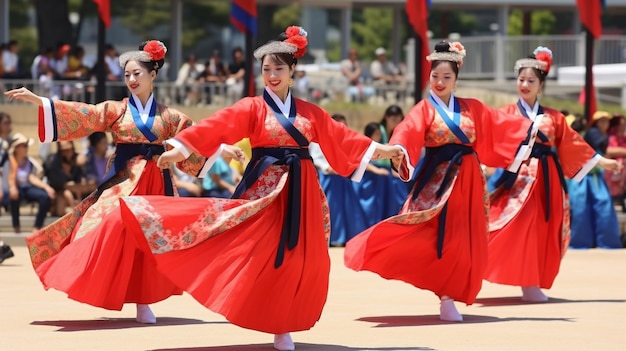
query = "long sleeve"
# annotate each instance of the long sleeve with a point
(64, 120)
(347, 151)
(498, 135)
(319, 160)
(178, 122)
(410, 134)
(228, 126)
(575, 155)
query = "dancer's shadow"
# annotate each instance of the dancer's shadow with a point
(117, 323)
(516, 300)
(416, 321)
(299, 347)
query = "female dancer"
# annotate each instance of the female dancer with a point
(260, 259)
(74, 254)
(438, 241)
(529, 212)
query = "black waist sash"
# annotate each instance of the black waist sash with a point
(263, 158)
(541, 152)
(125, 152)
(435, 156)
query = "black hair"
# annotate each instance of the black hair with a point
(4, 115)
(282, 58)
(370, 128)
(392, 110)
(444, 46)
(339, 117)
(539, 73)
(96, 137)
(152, 65)
(580, 123)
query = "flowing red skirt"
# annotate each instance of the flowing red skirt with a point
(232, 272)
(527, 250)
(105, 268)
(399, 249)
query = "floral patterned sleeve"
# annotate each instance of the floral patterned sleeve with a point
(65, 120)
(195, 162)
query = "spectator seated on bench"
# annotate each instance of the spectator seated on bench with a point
(65, 175)
(25, 183)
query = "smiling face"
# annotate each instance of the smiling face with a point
(138, 79)
(276, 74)
(528, 85)
(442, 79)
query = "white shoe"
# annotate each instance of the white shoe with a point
(145, 315)
(448, 312)
(533, 294)
(283, 342)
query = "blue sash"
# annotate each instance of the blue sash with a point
(452, 124)
(263, 158)
(145, 128)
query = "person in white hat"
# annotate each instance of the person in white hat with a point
(384, 71)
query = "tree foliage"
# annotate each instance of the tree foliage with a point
(542, 22)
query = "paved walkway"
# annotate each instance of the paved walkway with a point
(364, 312)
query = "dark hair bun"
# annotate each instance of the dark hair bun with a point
(442, 46)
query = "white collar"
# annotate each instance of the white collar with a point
(531, 112)
(449, 107)
(144, 111)
(283, 107)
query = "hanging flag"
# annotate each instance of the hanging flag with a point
(104, 10)
(243, 15)
(417, 12)
(590, 12)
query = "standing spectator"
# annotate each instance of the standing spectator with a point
(616, 180)
(97, 157)
(186, 79)
(25, 183)
(215, 71)
(236, 73)
(352, 69)
(63, 169)
(10, 61)
(111, 59)
(5, 131)
(41, 70)
(383, 71)
(76, 68)
(301, 84)
(60, 60)
(392, 117)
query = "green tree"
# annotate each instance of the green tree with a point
(21, 31)
(458, 22)
(286, 16)
(542, 22)
(371, 28)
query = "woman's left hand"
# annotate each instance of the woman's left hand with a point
(231, 151)
(610, 164)
(388, 151)
(168, 157)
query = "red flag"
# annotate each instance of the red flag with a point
(417, 12)
(590, 12)
(104, 10)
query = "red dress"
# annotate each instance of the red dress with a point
(529, 228)
(438, 241)
(79, 253)
(223, 251)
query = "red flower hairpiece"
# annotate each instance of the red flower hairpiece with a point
(544, 57)
(155, 49)
(297, 36)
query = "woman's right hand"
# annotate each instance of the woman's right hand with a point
(169, 157)
(13, 193)
(23, 94)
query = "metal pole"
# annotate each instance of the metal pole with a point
(417, 92)
(588, 73)
(101, 73)
(249, 88)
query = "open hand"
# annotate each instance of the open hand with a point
(23, 94)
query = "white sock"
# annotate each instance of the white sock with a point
(145, 315)
(448, 312)
(533, 294)
(283, 342)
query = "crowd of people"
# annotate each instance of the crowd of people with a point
(251, 240)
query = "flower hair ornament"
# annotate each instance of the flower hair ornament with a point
(152, 51)
(448, 51)
(292, 41)
(541, 59)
